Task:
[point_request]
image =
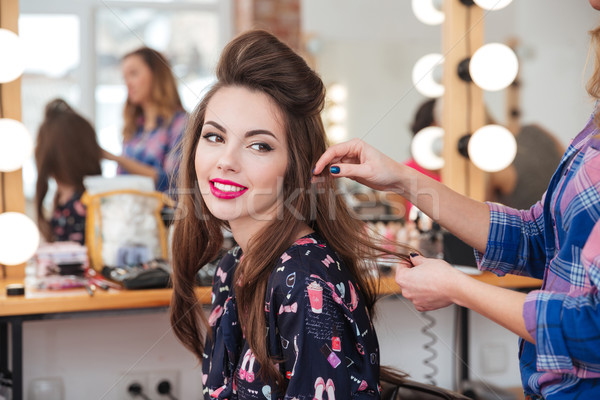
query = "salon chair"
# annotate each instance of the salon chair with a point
(406, 389)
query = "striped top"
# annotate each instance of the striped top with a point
(557, 240)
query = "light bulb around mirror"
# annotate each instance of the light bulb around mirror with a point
(337, 133)
(337, 93)
(494, 66)
(492, 5)
(492, 148)
(426, 148)
(19, 238)
(428, 12)
(424, 77)
(11, 48)
(16, 144)
(336, 114)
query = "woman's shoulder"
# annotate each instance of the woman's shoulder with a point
(181, 115)
(310, 255)
(230, 260)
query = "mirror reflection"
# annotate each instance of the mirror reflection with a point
(367, 49)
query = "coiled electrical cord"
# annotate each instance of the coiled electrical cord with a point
(428, 362)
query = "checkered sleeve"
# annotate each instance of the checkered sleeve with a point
(515, 242)
(567, 326)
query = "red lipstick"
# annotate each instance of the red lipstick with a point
(234, 190)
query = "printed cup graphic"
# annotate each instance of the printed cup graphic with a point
(315, 294)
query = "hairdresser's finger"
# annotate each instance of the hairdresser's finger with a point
(352, 171)
(417, 259)
(403, 264)
(336, 153)
(402, 269)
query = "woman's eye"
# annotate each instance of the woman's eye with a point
(213, 137)
(262, 147)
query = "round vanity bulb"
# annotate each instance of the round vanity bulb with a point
(492, 5)
(494, 66)
(19, 238)
(424, 78)
(11, 48)
(492, 148)
(337, 133)
(428, 12)
(16, 144)
(337, 93)
(336, 114)
(426, 147)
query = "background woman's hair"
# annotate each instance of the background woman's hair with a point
(164, 92)
(593, 85)
(66, 150)
(424, 116)
(258, 61)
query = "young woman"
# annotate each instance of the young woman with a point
(557, 239)
(154, 118)
(292, 305)
(66, 151)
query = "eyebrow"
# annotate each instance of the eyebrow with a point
(250, 133)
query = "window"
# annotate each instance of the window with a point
(51, 69)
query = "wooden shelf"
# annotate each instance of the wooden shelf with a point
(78, 300)
(388, 285)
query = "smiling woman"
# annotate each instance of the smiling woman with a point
(248, 153)
(242, 160)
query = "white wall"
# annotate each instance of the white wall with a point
(93, 355)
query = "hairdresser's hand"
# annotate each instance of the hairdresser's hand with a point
(108, 156)
(357, 160)
(429, 284)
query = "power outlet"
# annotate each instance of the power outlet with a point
(156, 377)
(126, 379)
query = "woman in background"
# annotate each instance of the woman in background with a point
(293, 304)
(66, 151)
(154, 118)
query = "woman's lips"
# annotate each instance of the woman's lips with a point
(223, 189)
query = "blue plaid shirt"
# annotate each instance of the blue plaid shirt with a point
(557, 240)
(158, 149)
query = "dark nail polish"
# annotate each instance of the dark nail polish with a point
(335, 170)
(414, 254)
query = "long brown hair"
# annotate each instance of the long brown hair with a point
(259, 61)
(164, 92)
(67, 151)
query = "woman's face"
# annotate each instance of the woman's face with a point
(138, 78)
(241, 157)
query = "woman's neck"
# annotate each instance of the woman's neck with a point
(244, 231)
(150, 116)
(64, 192)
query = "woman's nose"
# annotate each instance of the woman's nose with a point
(229, 159)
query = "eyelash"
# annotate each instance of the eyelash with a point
(262, 147)
(210, 136)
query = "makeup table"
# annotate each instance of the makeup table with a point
(15, 310)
